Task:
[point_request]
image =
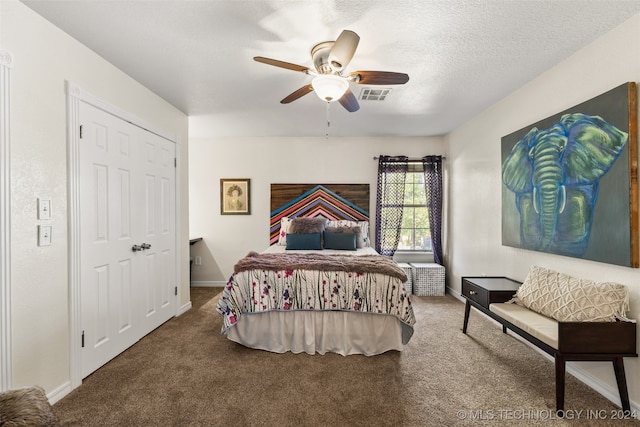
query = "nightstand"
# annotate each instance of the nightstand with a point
(479, 292)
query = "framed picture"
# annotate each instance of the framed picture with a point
(234, 196)
(569, 182)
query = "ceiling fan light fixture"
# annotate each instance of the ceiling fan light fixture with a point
(330, 84)
(329, 87)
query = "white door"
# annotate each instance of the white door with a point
(127, 234)
(156, 224)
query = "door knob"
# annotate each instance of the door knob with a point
(136, 248)
(145, 246)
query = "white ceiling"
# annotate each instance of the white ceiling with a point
(461, 55)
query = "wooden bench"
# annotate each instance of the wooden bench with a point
(565, 341)
(573, 341)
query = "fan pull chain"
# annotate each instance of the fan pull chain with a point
(328, 121)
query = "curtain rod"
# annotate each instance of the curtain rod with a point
(409, 160)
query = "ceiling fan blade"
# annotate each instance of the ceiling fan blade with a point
(297, 94)
(378, 78)
(281, 64)
(343, 50)
(349, 101)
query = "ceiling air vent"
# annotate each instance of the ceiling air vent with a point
(370, 94)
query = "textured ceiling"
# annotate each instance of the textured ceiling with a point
(461, 55)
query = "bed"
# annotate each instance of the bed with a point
(320, 287)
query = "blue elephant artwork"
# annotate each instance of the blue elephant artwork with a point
(563, 189)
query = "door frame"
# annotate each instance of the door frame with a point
(6, 62)
(75, 95)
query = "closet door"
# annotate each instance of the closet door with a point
(157, 230)
(127, 192)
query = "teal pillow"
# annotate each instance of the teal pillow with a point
(341, 241)
(304, 241)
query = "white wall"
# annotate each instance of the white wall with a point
(475, 182)
(43, 58)
(227, 238)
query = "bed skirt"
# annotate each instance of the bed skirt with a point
(320, 332)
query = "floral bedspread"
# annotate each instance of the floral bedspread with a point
(257, 290)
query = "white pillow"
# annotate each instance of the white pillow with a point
(284, 229)
(364, 227)
(569, 299)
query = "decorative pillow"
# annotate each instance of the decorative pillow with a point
(306, 241)
(26, 407)
(363, 234)
(343, 230)
(350, 230)
(342, 241)
(360, 242)
(569, 299)
(307, 225)
(285, 222)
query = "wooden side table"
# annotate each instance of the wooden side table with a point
(479, 292)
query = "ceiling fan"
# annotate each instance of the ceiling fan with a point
(330, 58)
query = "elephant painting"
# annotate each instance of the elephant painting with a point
(554, 174)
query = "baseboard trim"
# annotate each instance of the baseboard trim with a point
(596, 384)
(208, 284)
(58, 393)
(184, 308)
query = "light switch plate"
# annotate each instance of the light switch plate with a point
(44, 235)
(44, 208)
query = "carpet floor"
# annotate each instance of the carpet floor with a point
(185, 373)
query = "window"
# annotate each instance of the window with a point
(407, 195)
(409, 206)
(415, 234)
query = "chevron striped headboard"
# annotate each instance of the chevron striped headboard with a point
(332, 201)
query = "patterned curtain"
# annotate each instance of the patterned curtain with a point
(389, 202)
(433, 188)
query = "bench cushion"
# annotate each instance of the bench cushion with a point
(541, 327)
(569, 299)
